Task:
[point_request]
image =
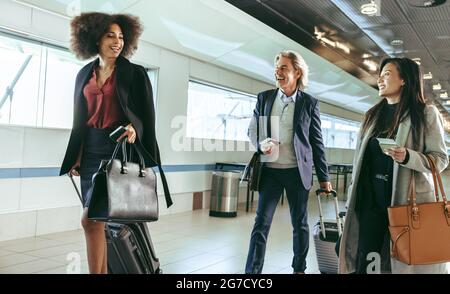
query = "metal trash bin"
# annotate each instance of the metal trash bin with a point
(224, 193)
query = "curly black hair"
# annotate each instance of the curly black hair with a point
(88, 28)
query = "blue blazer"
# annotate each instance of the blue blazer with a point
(308, 143)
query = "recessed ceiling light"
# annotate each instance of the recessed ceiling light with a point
(396, 42)
(328, 41)
(437, 87)
(426, 3)
(428, 76)
(371, 65)
(444, 95)
(343, 47)
(417, 60)
(369, 8)
(366, 55)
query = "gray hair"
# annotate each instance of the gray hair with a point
(299, 63)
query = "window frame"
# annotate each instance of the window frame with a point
(335, 119)
(252, 98)
(45, 49)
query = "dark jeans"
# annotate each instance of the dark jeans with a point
(273, 181)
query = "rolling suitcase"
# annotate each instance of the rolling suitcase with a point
(325, 235)
(130, 249)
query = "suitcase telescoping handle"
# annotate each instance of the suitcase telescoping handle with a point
(76, 187)
(320, 192)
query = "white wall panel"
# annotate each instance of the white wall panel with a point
(15, 16)
(17, 225)
(60, 27)
(44, 147)
(60, 219)
(11, 147)
(51, 192)
(9, 195)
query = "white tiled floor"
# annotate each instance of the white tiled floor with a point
(190, 242)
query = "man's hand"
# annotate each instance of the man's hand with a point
(326, 186)
(268, 151)
(267, 146)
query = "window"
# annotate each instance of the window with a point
(339, 133)
(153, 76)
(19, 72)
(61, 71)
(42, 80)
(218, 113)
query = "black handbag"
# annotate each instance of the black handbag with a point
(252, 172)
(253, 169)
(124, 191)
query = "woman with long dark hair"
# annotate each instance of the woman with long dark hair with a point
(381, 179)
(109, 92)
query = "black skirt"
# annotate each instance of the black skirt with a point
(97, 146)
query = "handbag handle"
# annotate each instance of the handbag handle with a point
(437, 179)
(437, 176)
(124, 169)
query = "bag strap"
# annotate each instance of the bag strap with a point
(123, 145)
(261, 114)
(437, 176)
(433, 173)
(437, 179)
(412, 197)
(136, 147)
(169, 201)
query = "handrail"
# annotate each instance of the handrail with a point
(10, 89)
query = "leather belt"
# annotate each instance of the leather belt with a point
(382, 177)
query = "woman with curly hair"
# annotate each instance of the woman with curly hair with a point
(109, 92)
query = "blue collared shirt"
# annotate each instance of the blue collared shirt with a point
(282, 96)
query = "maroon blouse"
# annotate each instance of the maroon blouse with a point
(103, 107)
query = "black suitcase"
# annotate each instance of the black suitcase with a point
(129, 246)
(130, 249)
(325, 235)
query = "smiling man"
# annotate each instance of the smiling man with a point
(296, 145)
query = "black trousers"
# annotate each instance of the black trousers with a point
(373, 231)
(273, 181)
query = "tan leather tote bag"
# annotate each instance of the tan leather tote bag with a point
(420, 233)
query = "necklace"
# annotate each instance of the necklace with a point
(106, 70)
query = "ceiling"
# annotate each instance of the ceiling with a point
(217, 32)
(424, 32)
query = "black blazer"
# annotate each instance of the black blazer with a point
(134, 92)
(308, 143)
